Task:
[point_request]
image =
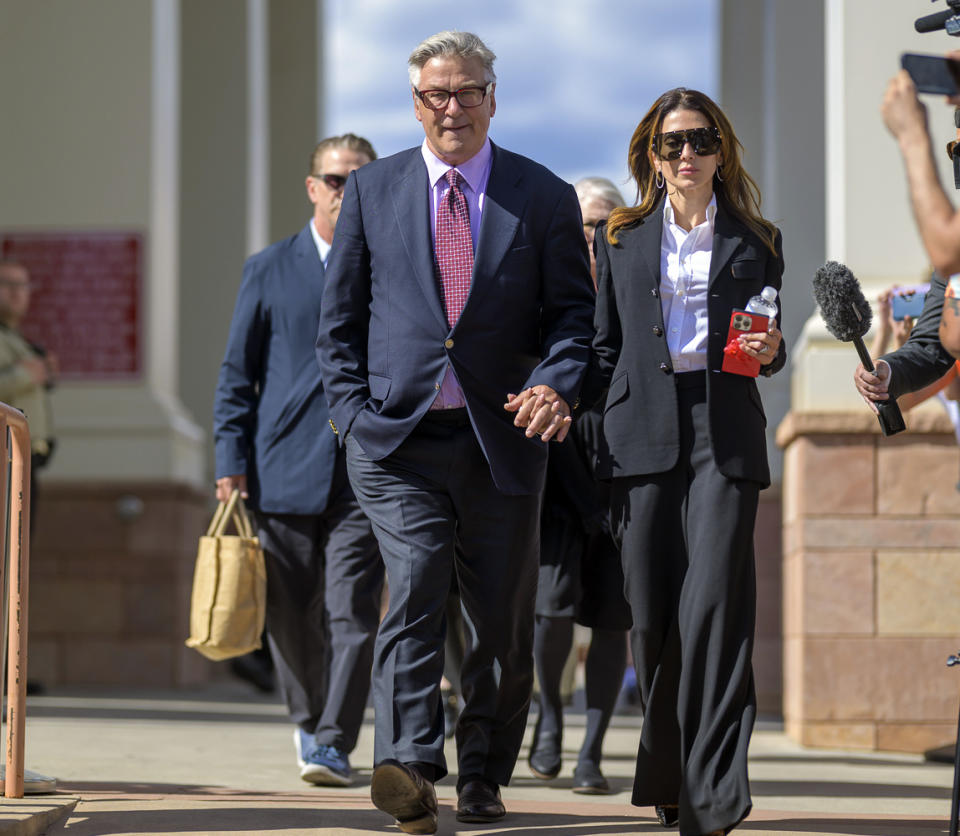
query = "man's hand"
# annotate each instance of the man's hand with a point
(542, 411)
(226, 485)
(873, 387)
(903, 113)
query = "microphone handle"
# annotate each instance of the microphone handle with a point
(888, 412)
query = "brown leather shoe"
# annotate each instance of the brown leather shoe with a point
(402, 792)
(478, 801)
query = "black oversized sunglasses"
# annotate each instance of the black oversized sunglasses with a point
(669, 145)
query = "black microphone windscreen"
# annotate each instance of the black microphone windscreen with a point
(934, 22)
(842, 304)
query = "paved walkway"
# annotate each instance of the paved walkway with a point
(221, 761)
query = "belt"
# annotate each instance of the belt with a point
(449, 417)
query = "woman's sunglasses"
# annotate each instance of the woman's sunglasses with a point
(669, 146)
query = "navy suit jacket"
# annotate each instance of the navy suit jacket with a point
(384, 342)
(269, 413)
(641, 424)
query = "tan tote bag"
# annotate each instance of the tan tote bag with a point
(228, 604)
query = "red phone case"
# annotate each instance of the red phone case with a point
(736, 361)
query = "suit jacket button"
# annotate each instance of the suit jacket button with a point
(657, 331)
(665, 368)
(448, 344)
(653, 291)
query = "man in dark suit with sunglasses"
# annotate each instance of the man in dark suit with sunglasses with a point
(324, 573)
(458, 279)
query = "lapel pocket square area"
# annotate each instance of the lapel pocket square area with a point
(746, 268)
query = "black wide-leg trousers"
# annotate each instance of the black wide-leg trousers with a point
(687, 551)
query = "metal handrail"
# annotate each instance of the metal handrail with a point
(17, 549)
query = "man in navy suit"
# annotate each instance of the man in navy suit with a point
(458, 277)
(324, 573)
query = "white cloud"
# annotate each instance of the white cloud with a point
(574, 78)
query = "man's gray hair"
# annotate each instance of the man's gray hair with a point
(598, 188)
(464, 45)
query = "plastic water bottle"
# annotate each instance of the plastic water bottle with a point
(765, 303)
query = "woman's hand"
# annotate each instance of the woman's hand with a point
(762, 345)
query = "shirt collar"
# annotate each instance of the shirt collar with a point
(471, 171)
(323, 248)
(668, 216)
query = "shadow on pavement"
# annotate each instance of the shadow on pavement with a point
(845, 789)
(847, 827)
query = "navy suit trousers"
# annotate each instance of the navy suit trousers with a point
(436, 512)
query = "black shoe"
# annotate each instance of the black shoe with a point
(544, 759)
(589, 780)
(402, 792)
(479, 801)
(668, 814)
(254, 669)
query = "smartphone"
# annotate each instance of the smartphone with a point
(907, 302)
(933, 73)
(736, 361)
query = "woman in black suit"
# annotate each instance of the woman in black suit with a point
(686, 450)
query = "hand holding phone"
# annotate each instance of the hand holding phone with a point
(907, 302)
(735, 360)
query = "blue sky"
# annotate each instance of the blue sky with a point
(573, 77)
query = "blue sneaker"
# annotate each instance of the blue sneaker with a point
(305, 744)
(327, 766)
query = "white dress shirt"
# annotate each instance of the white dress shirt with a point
(323, 248)
(684, 274)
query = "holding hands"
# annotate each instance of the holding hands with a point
(542, 411)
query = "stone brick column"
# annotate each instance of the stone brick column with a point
(871, 580)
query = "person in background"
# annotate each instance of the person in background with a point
(580, 576)
(27, 371)
(686, 449)
(273, 444)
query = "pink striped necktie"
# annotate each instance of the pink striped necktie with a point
(453, 248)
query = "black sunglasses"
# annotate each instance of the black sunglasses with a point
(669, 146)
(333, 181)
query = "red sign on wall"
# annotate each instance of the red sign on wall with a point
(84, 300)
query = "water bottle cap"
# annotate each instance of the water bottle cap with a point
(769, 293)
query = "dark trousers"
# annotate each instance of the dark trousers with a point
(324, 580)
(436, 512)
(687, 549)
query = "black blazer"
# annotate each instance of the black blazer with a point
(922, 359)
(640, 424)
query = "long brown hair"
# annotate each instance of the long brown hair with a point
(737, 191)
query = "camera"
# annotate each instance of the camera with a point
(948, 19)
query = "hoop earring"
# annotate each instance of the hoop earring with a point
(720, 173)
(659, 181)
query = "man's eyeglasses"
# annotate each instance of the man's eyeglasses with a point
(333, 181)
(669, 145)
(466, 96)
